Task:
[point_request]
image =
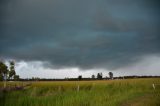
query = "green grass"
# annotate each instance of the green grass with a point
(91, 93)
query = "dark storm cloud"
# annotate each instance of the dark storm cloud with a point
(79, 33)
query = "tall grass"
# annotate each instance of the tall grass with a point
(91, 93)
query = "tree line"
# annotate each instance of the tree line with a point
(99, 76)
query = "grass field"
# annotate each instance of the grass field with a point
(129, 92)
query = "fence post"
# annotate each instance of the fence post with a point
(153, 85)
(78, 88)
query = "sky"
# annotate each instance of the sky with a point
(67, 38)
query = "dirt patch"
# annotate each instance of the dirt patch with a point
(14, 87)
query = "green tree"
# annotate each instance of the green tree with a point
(93, 76)
(80, 77)
(3, 72)
(110, 75)
(12, 72)
(99, 76)
(1, 77)
(16, 77)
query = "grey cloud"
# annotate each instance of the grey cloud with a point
(79, 33)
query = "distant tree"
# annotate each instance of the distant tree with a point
(32, 78)
(12, 72)
(80, 77)
(16, 77)
(93, 76)
(110, 75)
(3, 72)
(99, 76)
(1, 77)
(36, 78)
(107, 77)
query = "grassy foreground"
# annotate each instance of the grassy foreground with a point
(135, 92)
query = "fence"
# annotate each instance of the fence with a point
(154, 86)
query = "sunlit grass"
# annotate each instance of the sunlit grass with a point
(89, 93)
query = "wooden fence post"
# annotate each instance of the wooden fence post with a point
(78, 88)
(153, 85)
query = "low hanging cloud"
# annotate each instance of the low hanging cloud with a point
(87, 34)
(149, 65)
